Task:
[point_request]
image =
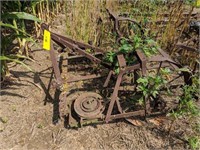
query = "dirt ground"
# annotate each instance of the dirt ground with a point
(26, 117)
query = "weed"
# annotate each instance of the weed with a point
(188, 108)
(14, 108)
(40, 126)
(150, 85)
(4, 119)
(128, 47)
(194, 142)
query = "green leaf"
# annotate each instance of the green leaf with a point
(117, 70)
(145, 92)
(19, 15)
(12, 27)
(142, 80)
(194, 142)
(15, 60)
(155, 93)
(140, 88)
(20, 56)
(125, 48)
(141, 101)
(165, 71)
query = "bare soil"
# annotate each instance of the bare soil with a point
(27, 120)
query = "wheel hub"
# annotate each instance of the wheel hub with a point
(89, 105)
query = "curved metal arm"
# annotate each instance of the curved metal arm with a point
(117, 19)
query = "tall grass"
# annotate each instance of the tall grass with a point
(82, 17)
(85, 19)
(177, 23)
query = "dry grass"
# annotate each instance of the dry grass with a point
(82, 17)
(85, 19)
(176, 24)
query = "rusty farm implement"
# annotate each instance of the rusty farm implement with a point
(105, 94)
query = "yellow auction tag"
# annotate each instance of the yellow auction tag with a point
(198, 3)
(47, 40)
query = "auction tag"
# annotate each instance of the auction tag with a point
(198, 3)
(47, 40)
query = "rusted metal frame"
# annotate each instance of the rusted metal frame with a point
(127, 69)
(174, 64)
(123, 88)
(147, 106)
(60, 75)
(129, 114)
(164, 64)
(71, 120)
(166, 58)
(174, 79)
(187, 48)
(186, 75)
(122, 64)
(80, 44)
(131, 20)
(143, 61)
(132, 68)
(117, 19)
(160, 65)
(156, 58)
(54, 60)
(111, 14)
(113, 18)
(124, 114)
(116, 27)
(108, 78)
(163, 53)
(75, 47)
(160, 58)
(116, 89)
(114, 96)
(64, 64)
(79, 50)
(121, 61)
(81, 78)
(119, 106)
(81, 56)
(55, 65)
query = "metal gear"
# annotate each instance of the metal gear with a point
(89, 105)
